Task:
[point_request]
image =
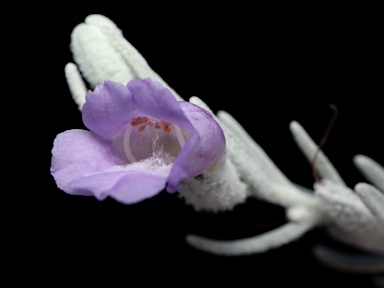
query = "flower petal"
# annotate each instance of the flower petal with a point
(153, 99)
(126, 187)
(77, 153)
(205, 145)
(108, 109)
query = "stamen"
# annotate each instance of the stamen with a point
(179, 135)
(323, 140)
(126, 145)
(139, 120)
(165, 126)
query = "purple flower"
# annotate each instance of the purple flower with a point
(141, 140)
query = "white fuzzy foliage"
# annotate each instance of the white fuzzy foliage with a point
(373, 199)
(333, 206)
(76, 85)
(350, 221)
(371, 170)
(257, 169)
(132, 57)
(258, 244)
(102, 53)
(217, 189)
(96, 58)
(253, 164)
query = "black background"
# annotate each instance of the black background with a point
(264, 66)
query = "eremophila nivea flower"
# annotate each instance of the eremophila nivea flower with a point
(141, 140)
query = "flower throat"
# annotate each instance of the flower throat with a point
(147, 137)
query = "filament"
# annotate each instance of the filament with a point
(323, 140)
(127, 149)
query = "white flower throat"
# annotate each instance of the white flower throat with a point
(147, 136)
